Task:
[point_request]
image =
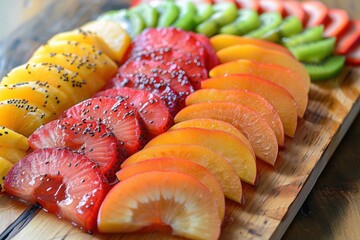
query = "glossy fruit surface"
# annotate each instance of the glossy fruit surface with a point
(11, 139)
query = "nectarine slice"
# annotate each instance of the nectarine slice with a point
(249, 99)
(221, 41)
(229, 146)
(182, 166)
(255, 128)
(12, 154)
(11, 139)
(277, 74)
(211, 160)
(152, 200)
(281, 99)
(263, 55)
(213, 124)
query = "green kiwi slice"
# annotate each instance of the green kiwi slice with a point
(315, 51)
(186, 19)
(268, 22)
(246, 21)
(290, 26)
(327, 69)
(309, 35)
(203, 12)
(149, 14)
(168, 13)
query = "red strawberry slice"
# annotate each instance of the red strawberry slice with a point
(150, 84)
(212, 59)
(156, 38)
(89, 138)
(62, 182)
(119, 117)
(151, 109)
(192, 65)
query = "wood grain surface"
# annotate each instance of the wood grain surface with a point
(332, 209)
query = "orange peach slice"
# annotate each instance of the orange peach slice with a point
(274, 94)
(229, 146)
(249, 99)
(12, 154)
(255, 128)
(263, 55)
(221, 41)
(216, 164)
(277, 74)
(182, 166)
(155, 200)
(213, 124)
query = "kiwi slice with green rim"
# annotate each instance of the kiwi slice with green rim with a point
(186, 19)
(268, 22)
(168, 13)
(224, 13)
(289, 26)
(131, 22)
(149, 14)
(327, 69)
(203, 12)
(246, 21)
(309, 35)
(315, 51)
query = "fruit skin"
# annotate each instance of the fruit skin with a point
(5, 166)
(182, 166)
(119, 117)
(227, 145)
(327, 69)
(151, 109)
(211, 160)
(249, 99)
(89, 138)
(315, 12)
(63, 182)
(349, 38)
(353, 57)
(336, 23)
(276, 95)
(181, 202)
(11, 139)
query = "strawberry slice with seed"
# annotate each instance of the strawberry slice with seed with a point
(119, 117)
(62, 182)
(89, 138)
(152, 110)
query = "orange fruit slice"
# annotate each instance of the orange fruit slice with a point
(5, 167)
(11, 139)
(12, 154)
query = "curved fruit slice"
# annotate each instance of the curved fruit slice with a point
(316, 13)
(327, 69)
(119, 117)
(349, 38)
(22, 117)
(277, 96)
(11, 139)
(5, 166)
(212, 161)
(336, 23)
(62, 182)
(12, 154)
(211, 60)
(56, 76)
(155, 200)
(151, 109)
(112, 34)
(293, 8)
(249, 99)
(277, 74)
(38, 94)
(254, 4)
(222, 41)
(271, 6)
(181, 166)
(213, 124)
(91, 139)
(229, 146)
(263, 55)
(256, 129)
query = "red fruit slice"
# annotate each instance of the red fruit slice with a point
(349, 38)
(294, 8)
(337, 21)
(62, 182)
(271, 6)
(192, 65)
(252, 4)
(89, 138)
(151, 109)
(211, 60)
(315, 13)
(119, 117)
(353, 57)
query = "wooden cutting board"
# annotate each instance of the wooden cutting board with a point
(271, 206)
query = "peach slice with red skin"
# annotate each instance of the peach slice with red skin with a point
(221, 41)
(249, 99)
(161, 200)
(227, 145)
(263, 55)
(182, 166)
(213, 124)
(277, 96)
(284, 77)
(249, 122)
(211, 160)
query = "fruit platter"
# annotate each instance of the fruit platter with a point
(152, 119)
